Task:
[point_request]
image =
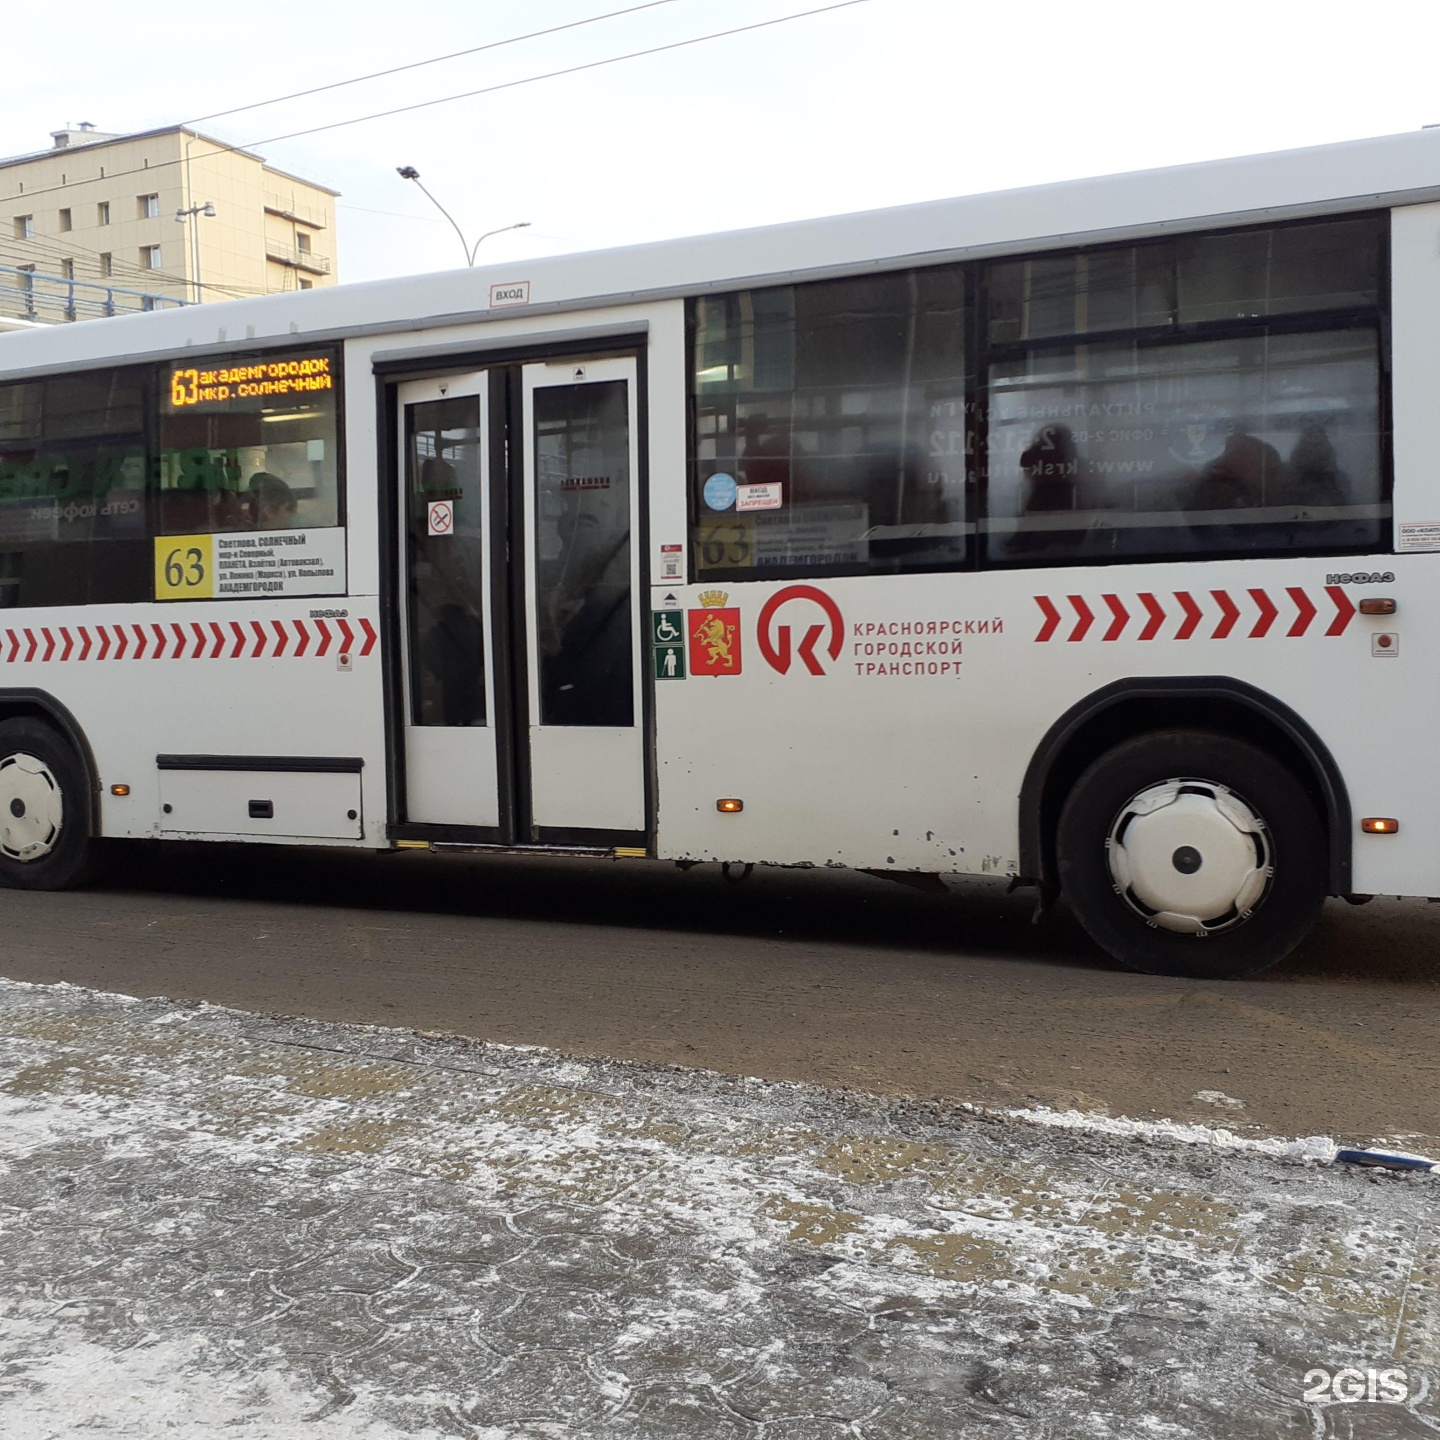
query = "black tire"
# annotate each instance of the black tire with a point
(1289, 843)
(69, 857)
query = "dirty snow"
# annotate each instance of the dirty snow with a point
(214, 1223)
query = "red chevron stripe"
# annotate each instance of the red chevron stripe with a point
(124, 641)
(1192, 614)
(1157, 617)
(219, 635)
(84, 644)
(1305, 610)
(239, 639)
(347, 635)
(281, 639)
(1229, 614)
(198, 631)
(104, 642)
(304, 635)
(1084, 617)
(1047, 609)
(1121, 620)
(370, 638)
(325, 638)
(259, 630)
(34, 644)
(49, 644)
(67, 640)
(1344, 609)
(14, 642)
(1269, 611)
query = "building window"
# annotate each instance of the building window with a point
(302, 242)
(67, 269)
(148, 207)
(102, 213)
(107, 264)
(149, 257)
(24, 227)
(307, 284)
(65, 221)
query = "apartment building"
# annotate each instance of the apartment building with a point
(100, 224)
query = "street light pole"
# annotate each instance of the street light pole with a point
(409, 172)
(192, 213)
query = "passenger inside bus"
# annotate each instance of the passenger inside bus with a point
(273, 501)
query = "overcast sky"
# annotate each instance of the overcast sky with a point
(880, 103)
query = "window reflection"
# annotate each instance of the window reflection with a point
(833, 415)
(582, 554)
(446, 570)
(1238, 445)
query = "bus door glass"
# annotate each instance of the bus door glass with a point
(451, 771)
(582, 582)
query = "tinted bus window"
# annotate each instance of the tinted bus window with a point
(829, 427)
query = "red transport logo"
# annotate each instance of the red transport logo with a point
(775, 640)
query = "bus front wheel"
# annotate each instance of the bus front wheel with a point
(1189, 853)
(44, 839)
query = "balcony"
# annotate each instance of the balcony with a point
(283, 254)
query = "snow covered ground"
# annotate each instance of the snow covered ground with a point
(218, 1224)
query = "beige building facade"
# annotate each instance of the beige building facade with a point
(103, 224)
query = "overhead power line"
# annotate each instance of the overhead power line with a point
(556, 74)
(486, 90)
(434, 60)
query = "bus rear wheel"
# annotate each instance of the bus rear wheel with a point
(44, 838)
(1189, 853)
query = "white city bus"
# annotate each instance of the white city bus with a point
(1087, 535)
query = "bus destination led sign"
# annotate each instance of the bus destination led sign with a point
(255, 380)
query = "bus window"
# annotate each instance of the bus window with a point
(1224, 399)
(73, 515)
(830, 427)
(249, 442)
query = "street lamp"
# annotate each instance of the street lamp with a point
(181, 216)
(409, 172)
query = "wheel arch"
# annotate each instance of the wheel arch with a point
(19, 703)
(1214, 702)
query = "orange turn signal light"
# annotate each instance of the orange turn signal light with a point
(1377, 606)
(1379, 825)
(121, 790)
(729, 807)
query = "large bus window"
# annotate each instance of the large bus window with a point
(1225, 398)
(829, 427)
(73, 514)
(248, 442)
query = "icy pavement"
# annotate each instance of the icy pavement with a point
(218, 1224)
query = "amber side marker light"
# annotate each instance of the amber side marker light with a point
(1377, 606)
(1379, 825)
(121, 790)
(729, 807)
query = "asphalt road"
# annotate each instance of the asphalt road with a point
(838, 979)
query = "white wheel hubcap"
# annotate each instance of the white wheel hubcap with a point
(31, 808)
(1190, 856)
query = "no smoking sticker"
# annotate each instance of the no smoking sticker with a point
(440, 518)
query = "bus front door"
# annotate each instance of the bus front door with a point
(524, 713)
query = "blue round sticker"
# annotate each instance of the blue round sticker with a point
(720, 492)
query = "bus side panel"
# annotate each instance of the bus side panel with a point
(211, 679)
(900, 737)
